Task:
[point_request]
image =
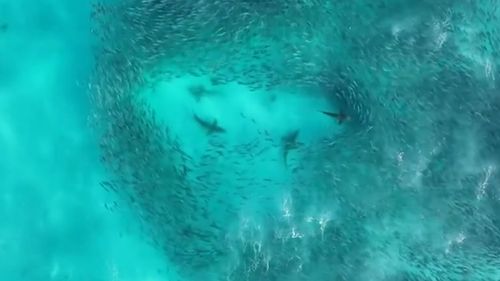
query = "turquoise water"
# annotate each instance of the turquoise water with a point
(186, 140)
(55, 225)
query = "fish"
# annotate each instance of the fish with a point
(210, 127)
(340, 116)
(289, 142)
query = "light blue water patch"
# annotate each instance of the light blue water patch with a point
(57, 223)
(243, 113)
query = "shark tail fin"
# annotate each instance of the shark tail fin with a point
(331, 114)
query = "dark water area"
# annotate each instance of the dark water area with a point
(249, 140)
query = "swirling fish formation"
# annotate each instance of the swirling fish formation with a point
(409, 190)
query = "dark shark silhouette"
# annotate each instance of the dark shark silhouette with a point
(289, 142)
(198, 91)
(210, 127)
(340, 117)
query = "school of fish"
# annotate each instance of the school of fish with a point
(419, 83)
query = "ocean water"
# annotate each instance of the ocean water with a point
(55, 221)
(249, 140)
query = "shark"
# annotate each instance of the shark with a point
(197, 91)
(289, 142)
(210, 127)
